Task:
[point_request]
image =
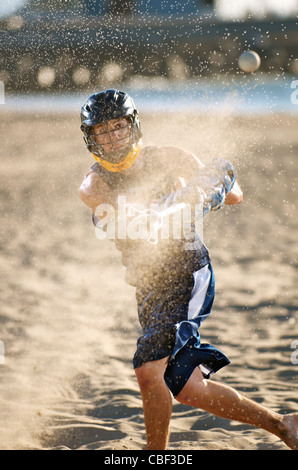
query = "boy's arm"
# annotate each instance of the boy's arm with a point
(93, 192)
(234, 196)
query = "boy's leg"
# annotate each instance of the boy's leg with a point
(224, 401)
(157, 403)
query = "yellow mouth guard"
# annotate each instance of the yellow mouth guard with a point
(124, 164)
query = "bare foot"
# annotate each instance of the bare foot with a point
(289, 430)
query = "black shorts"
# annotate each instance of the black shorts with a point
(171, 318)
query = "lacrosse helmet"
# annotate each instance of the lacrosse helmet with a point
(100, 108)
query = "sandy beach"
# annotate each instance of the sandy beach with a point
(68, 319)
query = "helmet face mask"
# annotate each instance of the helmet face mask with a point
(112, 140)
(111, 127)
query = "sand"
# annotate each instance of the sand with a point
(68, 320)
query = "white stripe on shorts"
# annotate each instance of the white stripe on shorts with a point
(199, 290)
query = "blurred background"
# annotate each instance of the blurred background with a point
(82, 45)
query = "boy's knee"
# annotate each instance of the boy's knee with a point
(151, 374)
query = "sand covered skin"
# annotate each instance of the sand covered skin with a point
(69, 322)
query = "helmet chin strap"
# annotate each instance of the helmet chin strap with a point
(124, 164)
